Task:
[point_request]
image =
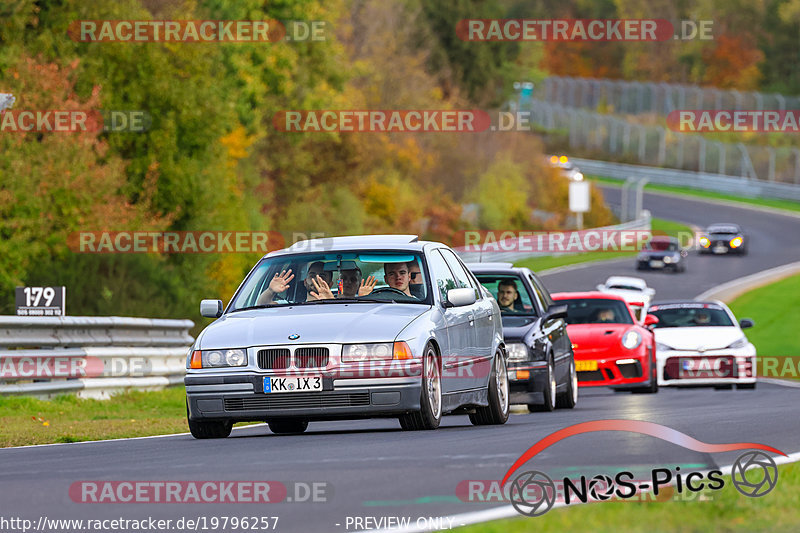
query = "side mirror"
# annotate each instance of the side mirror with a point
(650, 291)
(600, 287)
(650, 320)
(461, 297)
(211, 308)
(746, 323)
(556, 311)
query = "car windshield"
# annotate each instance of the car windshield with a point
(661, 246)
(723, 230)
(625, 287)
(596, 311)
(510, 292)
(335, 278)
(690, 315)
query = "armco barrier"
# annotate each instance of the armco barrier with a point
(91, 356)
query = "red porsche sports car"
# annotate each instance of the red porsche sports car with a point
(611, 348)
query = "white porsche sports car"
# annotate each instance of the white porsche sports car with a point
(633, 290)
(701, 343)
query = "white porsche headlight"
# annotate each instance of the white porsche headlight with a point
(517, 351)
(631, 339)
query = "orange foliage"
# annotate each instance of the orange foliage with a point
(732, 64)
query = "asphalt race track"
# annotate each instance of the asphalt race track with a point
(373, 469)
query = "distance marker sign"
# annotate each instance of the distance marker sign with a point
(41, 301)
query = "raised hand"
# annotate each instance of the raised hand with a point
(321, 289)
(367, 285)
(280, 282)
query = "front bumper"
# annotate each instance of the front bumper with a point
(527, 381)
(718, 367)
(614, 371)
(240, 398)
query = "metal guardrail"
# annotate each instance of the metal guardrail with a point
(516, 248)
(694, 180)
(91, 356)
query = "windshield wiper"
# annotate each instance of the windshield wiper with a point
(262, 306)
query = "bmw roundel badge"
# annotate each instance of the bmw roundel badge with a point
(294, 336)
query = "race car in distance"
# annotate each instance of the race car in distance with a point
(291, 347)
(722, 239)
(634, 290)
(662, 252)
(568, 168)
(700, 343)
(541, 365)
(611, 348)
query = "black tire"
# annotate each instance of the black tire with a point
(723, 387)
(496, 413)
(549, 392)
(652, 388)
(430, 414)
(639, 266)
(569, 398)
(210, 429)
(287, 426)
(746, 386)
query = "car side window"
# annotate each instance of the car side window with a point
(462, 277)
(541, 292)
(442, 277)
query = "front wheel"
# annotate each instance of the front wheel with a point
(210, 429)
(497, 411)
(287, 426)
(549, 392)
(569, 398)
(430, 414)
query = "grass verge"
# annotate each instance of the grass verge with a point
(788, 205)
(658, 225)
(727, 511)
(773, 307)
(25, 420)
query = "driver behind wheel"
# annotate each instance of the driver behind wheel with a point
(396, 276)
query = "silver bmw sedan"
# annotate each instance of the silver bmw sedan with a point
(347, 328)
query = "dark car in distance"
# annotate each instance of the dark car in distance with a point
(723, 239)
(541, 364)
(662, 253)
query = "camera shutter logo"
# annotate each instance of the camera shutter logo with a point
(543, 497)
(752, 460)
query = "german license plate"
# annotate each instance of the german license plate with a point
(656, 264)
(293, 384)
(585, 366)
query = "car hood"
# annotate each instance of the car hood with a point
(695, 337)
(315, 324)
(595, 338)
(516, 327)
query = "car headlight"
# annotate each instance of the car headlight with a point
(218, 358)
(667, 259)
(631, 339)
(353, 353)
(739, 343)
(736, 242)
(663, 347)
(704, 242)
(517, 351)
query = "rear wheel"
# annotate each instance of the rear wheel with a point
(497, 410)
(549, 392)
(430, 414)
(569, 398)
(287, 426)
